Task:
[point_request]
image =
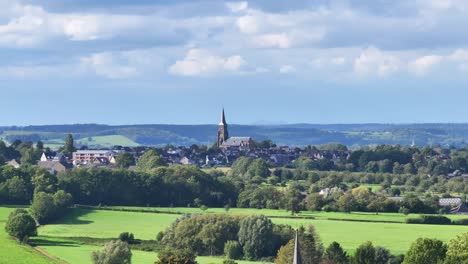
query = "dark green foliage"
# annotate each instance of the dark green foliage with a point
(233, 250)
(365, 254)
(172, 256)
(21, 225)
(309, 248)
(202, 234)
(463, 221)
(229, 261)
(125, 160)
(335, 254)
(256, 236)
(247, 168)
(260, 197)
(69, 146)
(15, 190)
(114, 252)
(47, 207)
(426, 251)
(429, 219)
(127, 237)
(382, 255)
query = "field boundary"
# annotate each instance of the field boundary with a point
(49, 256)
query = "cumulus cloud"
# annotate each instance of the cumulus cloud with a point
(201, 62)
(237, 6)
(248, 24)
(422, 65)
(374, 61)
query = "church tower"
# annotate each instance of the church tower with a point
(222, 130)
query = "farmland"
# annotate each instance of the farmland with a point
(62, 239)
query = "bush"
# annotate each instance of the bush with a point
(171, 256)
(21, 225)
(426, 251)
(232, 250)
(430, 220)
(229, 261)
(114, 252)
(127, 237)
(460, 221)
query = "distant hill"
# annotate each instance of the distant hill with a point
(294, 134)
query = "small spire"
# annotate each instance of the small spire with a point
(297, 257)
(223, 118)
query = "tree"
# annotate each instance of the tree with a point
(43, 207)
(69, 147)
(382, 255)
(125, 160)
(457, 252)
(365, 254)
(309, 252)
(114, 252)
(16, 190)
(335, 254)
(232, 250)
(426, 251)
(315, 202)
(172, 256)
(256, 236)
(21, 225)
(293, 198)
(150, 160)
(126, 237)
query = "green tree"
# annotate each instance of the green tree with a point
(69, 146)
(16, 190)
(114, 252)
(365, 254)
(426, 251)
(335, 254)
(457, 252)
(43, 207)
(293, 198)
(172, 256)
(309, 248)
(21, 225)
(256, 236)
(125, 160)
(382, 255)
(150, 160)
(232, 250)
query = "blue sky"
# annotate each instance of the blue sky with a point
(179, 62)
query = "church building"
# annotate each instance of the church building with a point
(226, 142)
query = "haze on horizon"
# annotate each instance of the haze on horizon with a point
(179, 62)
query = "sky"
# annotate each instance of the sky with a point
(265, 62)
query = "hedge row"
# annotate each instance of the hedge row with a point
(436, 220)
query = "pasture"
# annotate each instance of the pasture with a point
(60, 239)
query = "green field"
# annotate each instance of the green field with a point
(107, 141)
(58, 239)
(11, 251)
(395, 236)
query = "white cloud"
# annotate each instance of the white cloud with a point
(237, 6)
(338, 61)
(422, 65)
(374, 61)
(287, 69)
(107, 65)
(248, 24)
(459, 55)
(202, 62)
(272, 41)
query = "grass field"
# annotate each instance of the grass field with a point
(395, 236)
(11, 251)
(108, 141)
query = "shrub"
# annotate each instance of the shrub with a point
(365, 254)
(21, 225)
(430, 220)
(126, 237)
(461, 221)
(229, 261)
(114, 252)
(171, 256)
(426, 251)
(232, 250)
(457, 252)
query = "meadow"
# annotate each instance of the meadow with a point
(61, 239)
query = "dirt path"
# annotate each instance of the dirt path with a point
(49, 256)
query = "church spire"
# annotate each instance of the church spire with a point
(223, 133)
(297, 254)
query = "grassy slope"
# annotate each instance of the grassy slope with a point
(108, 141)
(11, 251)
